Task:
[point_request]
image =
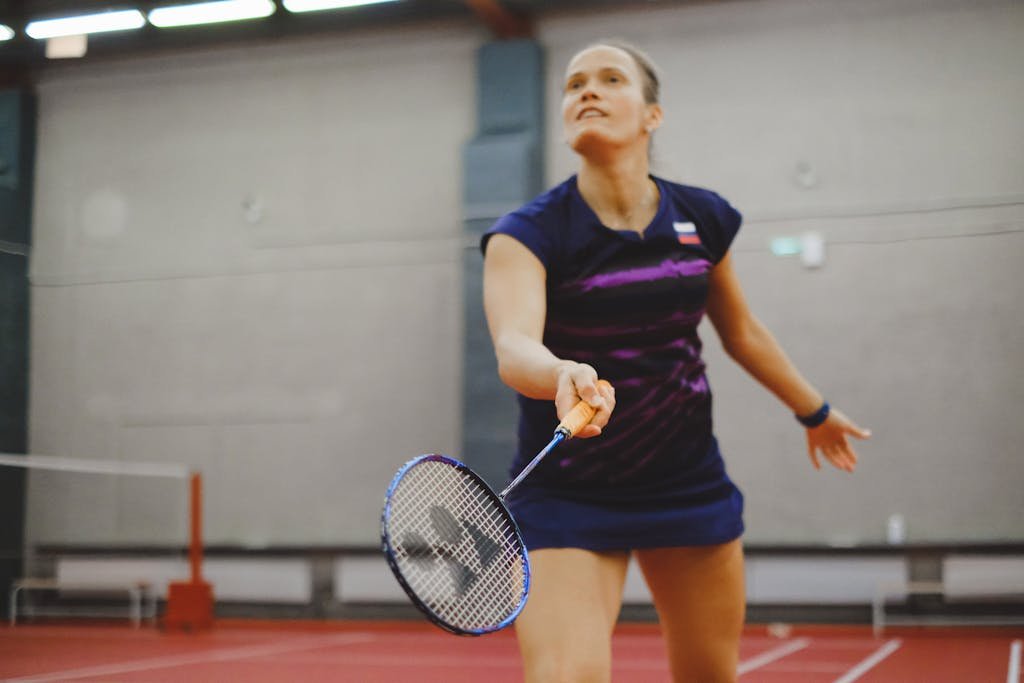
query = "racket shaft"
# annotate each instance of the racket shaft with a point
(578, 418)
(559, 437)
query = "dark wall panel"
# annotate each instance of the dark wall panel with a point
(17, 133)
(503, 167)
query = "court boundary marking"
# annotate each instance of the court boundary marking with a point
(874, 653)
(871, 661)
(772, 655)
(170, 661)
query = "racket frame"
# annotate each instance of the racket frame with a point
(386, 546)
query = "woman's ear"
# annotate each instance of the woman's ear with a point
(653, 118)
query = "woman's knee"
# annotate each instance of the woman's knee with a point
(565, 630)
(699, 594)
(573, 645)
(569, 667)
(705, 663)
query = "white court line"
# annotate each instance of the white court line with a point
(201, 658)
(771, 655)
(1013, 669)
(869, 663)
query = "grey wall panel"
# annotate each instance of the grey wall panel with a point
(260, 280)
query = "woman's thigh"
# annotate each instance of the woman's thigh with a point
(565, 629)
(700, 597)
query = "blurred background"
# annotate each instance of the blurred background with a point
(250, 248)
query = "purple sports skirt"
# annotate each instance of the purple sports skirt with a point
(694, 513)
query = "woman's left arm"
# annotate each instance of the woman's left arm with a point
(751, 344)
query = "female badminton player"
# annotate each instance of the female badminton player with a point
(606, 276)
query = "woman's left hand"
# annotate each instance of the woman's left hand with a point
(830, 437)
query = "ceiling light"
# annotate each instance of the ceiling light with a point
(6, 32)
(316, 5)
(211, 12)
(86, 23)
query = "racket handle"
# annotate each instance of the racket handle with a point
(579, 417)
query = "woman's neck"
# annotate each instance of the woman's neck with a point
(621, 194)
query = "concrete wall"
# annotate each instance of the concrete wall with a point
(249, 261)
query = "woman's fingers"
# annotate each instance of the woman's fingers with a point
(588, 391)
(850, 427)
(579, 382)
(831, 439)
(840, 455)
(604, 411)
(603, 405)
(834, 446)
(576, 382)
(812, 451)
(858, 432)
(851, 455)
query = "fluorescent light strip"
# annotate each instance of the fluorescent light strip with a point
(6, 32)
(211, 12)
(317, 5)
(86, 23)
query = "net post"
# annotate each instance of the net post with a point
(195, 547)
(190, 603)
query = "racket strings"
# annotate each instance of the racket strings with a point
(465, 506)
(458, 587)
(456, 547)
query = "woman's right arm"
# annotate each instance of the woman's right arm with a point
(515, 302)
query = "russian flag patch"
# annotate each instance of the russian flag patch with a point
(686, 232)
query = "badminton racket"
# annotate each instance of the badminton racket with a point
(454, 546)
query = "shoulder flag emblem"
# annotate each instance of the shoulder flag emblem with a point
(686, 232)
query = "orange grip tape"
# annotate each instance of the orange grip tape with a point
(580, 416)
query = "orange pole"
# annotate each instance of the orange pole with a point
(190, 603)
(195, 546)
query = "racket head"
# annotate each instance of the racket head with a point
(454, 547)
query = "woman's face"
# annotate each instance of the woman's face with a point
(603, 103)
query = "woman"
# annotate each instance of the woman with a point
(607, 276)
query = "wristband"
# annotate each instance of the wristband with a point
(815, 418)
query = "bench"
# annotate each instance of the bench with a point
(141, 597)
(950, 593)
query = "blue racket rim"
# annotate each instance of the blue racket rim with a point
(389, 554)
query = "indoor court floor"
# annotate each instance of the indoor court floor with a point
(391, 652)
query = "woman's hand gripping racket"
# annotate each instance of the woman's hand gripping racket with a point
(453, 545)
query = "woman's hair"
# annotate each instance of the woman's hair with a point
(651, 85)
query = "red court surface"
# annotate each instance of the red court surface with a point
(365, 652)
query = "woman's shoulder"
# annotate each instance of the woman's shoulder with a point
(704, 204)
(537, 224)
(548, 206)
(716, 220)
(692, 194)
